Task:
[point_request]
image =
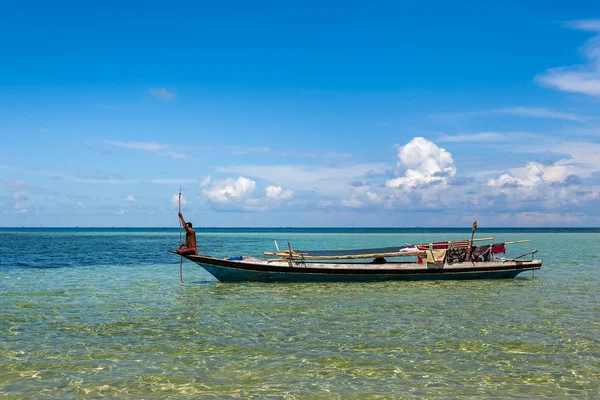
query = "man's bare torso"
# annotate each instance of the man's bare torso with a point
(190, 238)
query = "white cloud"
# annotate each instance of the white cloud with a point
(144, 146)
(238, 195)
(534, 112)
(167, 181)
(590, 25)
(175, 154)
(428, 183)
(583, 157)
(120, 211)
(505, 180)
(277, 193)
(474, 137)
(425, 163)
(19, 196)
(329, 181)
(150, 147)
(130, 198)
(324, 204)
(367, 196)
(20, 208)
(353, 203)
(532, 174)
(161, 94)
(374, 197)
(539, 112)
(571, 80)
(584, 78)
(175, 200)
(546, 187)
(229, 189)
(205, 181)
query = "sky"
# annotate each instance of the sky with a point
(300, 113)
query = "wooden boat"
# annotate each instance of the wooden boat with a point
(369, 264)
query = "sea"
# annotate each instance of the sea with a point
(100, 313)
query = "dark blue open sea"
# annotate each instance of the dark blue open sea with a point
(88, 313)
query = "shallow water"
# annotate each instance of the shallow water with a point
(101, 313)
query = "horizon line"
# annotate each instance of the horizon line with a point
(300, 227)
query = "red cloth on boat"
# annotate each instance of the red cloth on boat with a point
(419, 260)
(498, 248)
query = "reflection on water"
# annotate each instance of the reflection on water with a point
(106, 321)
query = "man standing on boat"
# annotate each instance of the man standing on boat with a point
(189, 248)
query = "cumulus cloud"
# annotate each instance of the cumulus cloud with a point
(130, 198)
(238, 194)
(584, 78)
(277, 193)
(427, 176)
(530, 175)
(425, 164)
(580, 158)
(161, 94)
(329, 181)
(540, 187)
(368, 196)
(229, 189)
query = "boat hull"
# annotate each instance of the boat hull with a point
(261, 271)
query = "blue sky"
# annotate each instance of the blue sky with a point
(389, 113)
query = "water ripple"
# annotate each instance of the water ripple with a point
(117, 324)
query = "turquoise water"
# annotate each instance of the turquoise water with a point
(88, 313)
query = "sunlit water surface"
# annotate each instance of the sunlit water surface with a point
(92, 313)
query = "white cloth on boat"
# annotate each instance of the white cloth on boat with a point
(409, 250)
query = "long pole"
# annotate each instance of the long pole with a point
(180, 257)
(471, 241)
